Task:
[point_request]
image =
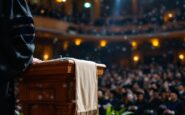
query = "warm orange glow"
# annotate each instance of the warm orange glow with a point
(65, 45)
(78, 41)
(134, 44)
(155, 42)
(181, 56)
(136, 58)
(45, 56)
(60, 1)
(170, 15)
(103, 43)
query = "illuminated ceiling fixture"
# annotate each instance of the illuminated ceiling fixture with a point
(78, 42)
(134, 44)
(170, 15)
(60, 1)
(45, 56)
(136, 58)
(103, 43)
(181, 56)
(65, 45)
(42, 11)
(155, 42)
(87, 4)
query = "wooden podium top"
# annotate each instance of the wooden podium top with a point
(49, 88)
(57, 66)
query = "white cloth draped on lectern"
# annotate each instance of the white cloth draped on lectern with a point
(86, 87)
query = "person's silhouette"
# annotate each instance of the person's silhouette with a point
(17, 34)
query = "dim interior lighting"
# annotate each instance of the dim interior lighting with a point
(134, 44)
(45, 56)
(155, 42)
(170, 15)
(42, 11)
(65, 45)
(87, 5)
(135, 58)
(103, 43)
(78, 41)
(60, 1)
(181, 56)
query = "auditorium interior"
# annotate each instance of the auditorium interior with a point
(141, 42)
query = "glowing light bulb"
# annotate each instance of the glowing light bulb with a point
(46, 56)
(103, 43)
(87, 5)
(134, 44)
(170, 15)
(78, 42)
(155, 42)
(181, 56)
(136, 58)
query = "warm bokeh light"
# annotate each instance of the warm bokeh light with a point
(155, 42)
(78, 41)
(45, 56)
(136, 58)
(103, 43)
(170, 15)
(60, 1)
(42, 11)
(134, 44)
(181, 56)
(65, 45)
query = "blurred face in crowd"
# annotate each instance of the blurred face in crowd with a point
(107, 93)
(155, 95)
(140, 97)
(136, 86)
(130, 97)
(100, 94)
(111, 95)
(173, 97)
(164, 96)
(180, 88)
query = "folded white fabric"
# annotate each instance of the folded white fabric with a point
(86, 85)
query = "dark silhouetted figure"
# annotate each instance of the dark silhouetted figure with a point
(17, 35)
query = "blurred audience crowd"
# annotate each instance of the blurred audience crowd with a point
(144, 90)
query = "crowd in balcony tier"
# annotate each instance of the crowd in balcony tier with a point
(156, 20)
(144, 90)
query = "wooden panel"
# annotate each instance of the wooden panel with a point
(44, 109)
(41, 94)
(46, 23)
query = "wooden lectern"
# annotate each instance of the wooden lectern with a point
(48, 88)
